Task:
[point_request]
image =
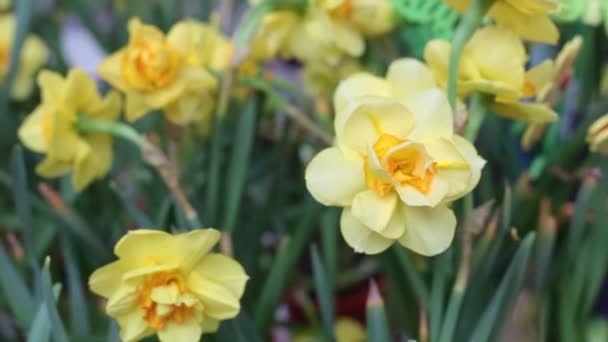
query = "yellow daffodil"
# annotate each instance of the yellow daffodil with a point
(154, 72)
(169, 285)
(397, 164)
(370, 17)
(545, 80)
(528, 18)
(34, 55)
(321, 78)
(597, 136)
(493, 62)
(5, 4)
(271, 34)
(345, 329)
(51, 130)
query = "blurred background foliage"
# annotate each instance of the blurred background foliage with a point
(528, 265)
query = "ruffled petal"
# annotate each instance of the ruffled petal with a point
(432, 116)
(429, 231)
(374, 211)
(361, 238)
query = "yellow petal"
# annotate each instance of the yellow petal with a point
(122, 301)
(374, 211)
(110, 70)
(358, 85)
(361, 238)
(85, 168)
(432, 115)
(471, 155)
(349, 330)
(541, 78)
(224, 271)
(429, 231)
(168, 295)
(408, 76)
(219, 301)
(30, 131)
(210, 325)
(194, 245)
(366, 118)
(80, 90)
(188, 331)
(538, 28)
(144, 247)
(459, 5)
(528, 112)
(51, 85)
(413, 197)
(105, 281)
(51, 168)
(22, 87)
(333, 178)
(133, 327)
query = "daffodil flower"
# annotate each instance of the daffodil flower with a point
(528, 18)
(370, 17)
(51, 128)
(153, 72)
(493, 62)
(169, 285)
(597, 136)
(397, 164)
(544, 80)
(34, 54)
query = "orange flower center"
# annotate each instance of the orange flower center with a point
(407, 165)
(150, 63)
(346, 9)
(161, 297)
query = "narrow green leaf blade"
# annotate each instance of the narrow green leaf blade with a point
(324, 294)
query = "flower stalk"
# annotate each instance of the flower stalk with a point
(469, 23)
(86, 124)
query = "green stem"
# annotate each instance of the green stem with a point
(477, 113)
(86, 124)
(469, 23)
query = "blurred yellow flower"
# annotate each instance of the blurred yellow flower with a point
(271, 34)
(528, 18)
(370, 17)
(169, 285)
(397, 164)
(50, 129)
(34, 55)
(345, 329)
(544, 80)
(153, 72)
(322, 79)
(493, 62)
(597, 136)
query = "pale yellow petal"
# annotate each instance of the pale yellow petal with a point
(538, 28)
(358, 85)
(224, 271)
(192, 247)
(210, 325)
(366, 118)
(122, 301)
(105, 281)
(429, 231)
(413, 197)
(529, 112)
(408, 76)
(361, 238)
(334, 178)
(374, 211)
(80, 91)
(51, 86)
(432, 115)
(188, 331)
(133, 327)
(219, 301)
(540, 79)
(145, 247)
(110, 71)
(30, 131)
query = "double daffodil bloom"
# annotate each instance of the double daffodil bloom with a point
(34, 55)
(154, 72)
(169, 285)
(597, 136)
(397, 164)
(528, 18)
(493, 62)
(370, 17)
(545, 80)
(321, 78)
(51, 128)
(205, 48)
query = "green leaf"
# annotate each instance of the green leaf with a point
(57, 328)
(80, 323)
(504, 297)
(215, 164)
(240, 329)
(324, 294)
(40, 331)
(377, 324)
(283, 266)
(329, 239)
(411, 273)
(243, 141)
(16, 292)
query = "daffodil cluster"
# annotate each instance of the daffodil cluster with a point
(169, 285)
(327, 38)
(397, 164)
(34, 55)
(168, 72)
(51, 128)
